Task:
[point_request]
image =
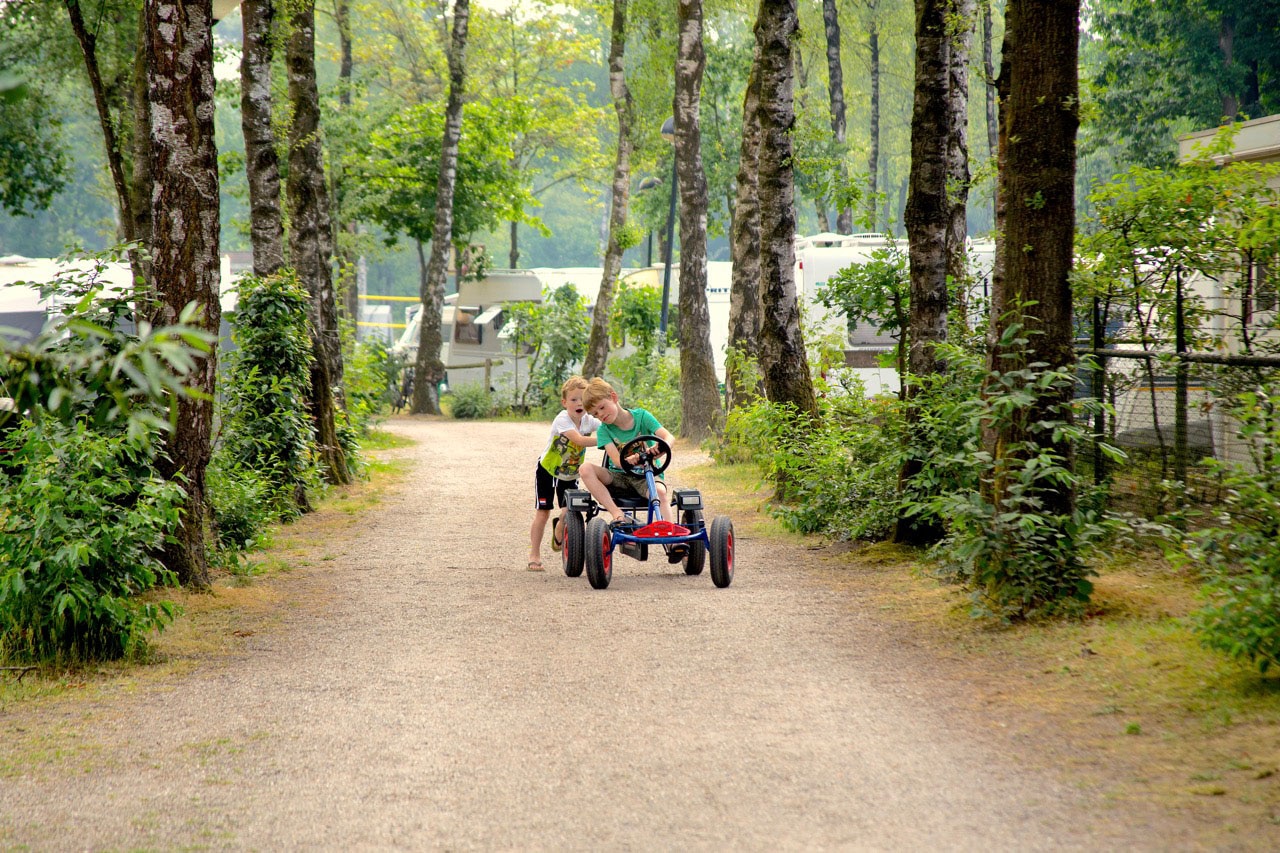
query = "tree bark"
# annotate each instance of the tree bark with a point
(310, 240)
(960, 24)
(701, 413)
(184, 245)
(873, 150)
(345, 231)
(744, 292)
(598, 342)
(262, 163)
(835, 88)
(927, 219)
(783, 361)
(1039, 182)
(429, 369)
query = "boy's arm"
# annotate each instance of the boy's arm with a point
(579, 439)
(612, 450)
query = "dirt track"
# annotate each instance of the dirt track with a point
(425, 691)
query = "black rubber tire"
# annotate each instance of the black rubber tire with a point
(599, 558)
(722, 551)
(574, 537)
(697, 556)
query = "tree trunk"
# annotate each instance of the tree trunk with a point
(1042, 119)
(346, 232)
(513, 255)
(783, 361)
(960, 23)
(926, 220)
(989, 74)
(310, 240)
(184, 245)
(598, 342)
(262, 164)
(835, 88)
(429, 369)
(873, 150)
(701, 413)
(744, 292)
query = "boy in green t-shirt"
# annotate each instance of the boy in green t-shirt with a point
(619, 425)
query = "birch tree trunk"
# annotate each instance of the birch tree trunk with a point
(927, 218)
(310, 240)
(700, 411)
(184, 245)
(783, 360)
(1039, 184)
(744, 292)
(345, 233)
(873, 149)
(262, 164)
(429, 370)
(835, 88)
(598, 342)
(960, 25)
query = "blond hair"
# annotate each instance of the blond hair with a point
(573, 383)
(597, 390)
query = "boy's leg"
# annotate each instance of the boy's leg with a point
(536, 530)
(668, 511)
(543, 500)
(596, 480)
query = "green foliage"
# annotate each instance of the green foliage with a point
(1019, 557)
(646, 379)
(637, 311)
(1241, 557)
(371, 374)
(242, 502)
(81, 514)
(555, 333)
(471, 402)
(265, 425)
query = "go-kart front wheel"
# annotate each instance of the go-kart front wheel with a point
(722, 552)
(599, 556)
(697, 554)
(574, 539)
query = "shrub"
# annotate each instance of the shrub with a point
(1241, 558)
(470, 402)
(242, 502)
(79, 524)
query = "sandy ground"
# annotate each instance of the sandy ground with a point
(424, 691)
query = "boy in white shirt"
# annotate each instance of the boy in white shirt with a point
(557, 470)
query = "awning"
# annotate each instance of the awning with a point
(490, 314)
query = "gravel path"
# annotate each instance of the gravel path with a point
(426, 691)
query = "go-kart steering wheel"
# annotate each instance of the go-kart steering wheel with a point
(659, 454)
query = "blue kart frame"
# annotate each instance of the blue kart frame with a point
(591, 539)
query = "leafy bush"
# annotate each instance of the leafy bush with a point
(242, 503)
(265, 424)
(471, 401)
(79, 522)
(1241, 559)
(1020, 558)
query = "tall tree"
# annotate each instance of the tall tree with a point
(345, 228)
(744, 290)
(429, 369)
(835, 89)
(598, 342)
(783, 361)
(927, 218)
(184, 244)
(310, 240)
(262, 163)
(960, 24)
(700, 409)
(1040, 118)
(873, 148)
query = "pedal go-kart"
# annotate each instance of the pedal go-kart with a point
(590, 539)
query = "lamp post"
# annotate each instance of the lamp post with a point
(668, 134)
(648, 184)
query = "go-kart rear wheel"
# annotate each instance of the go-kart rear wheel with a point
(599, 557)
(571, 552)
(722, 552)
(697, 556)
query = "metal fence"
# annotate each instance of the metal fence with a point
(1169, 401)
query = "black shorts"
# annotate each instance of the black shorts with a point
(547, 489)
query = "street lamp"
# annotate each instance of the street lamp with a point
(648, 184)
(668, 134)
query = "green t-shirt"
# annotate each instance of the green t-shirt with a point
(646, 424)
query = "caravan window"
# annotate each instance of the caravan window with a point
(465, 328)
